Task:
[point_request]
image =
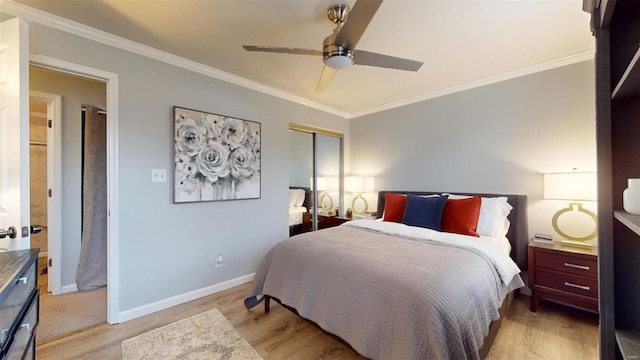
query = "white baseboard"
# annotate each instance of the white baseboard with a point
(182, 298)
(69, 288)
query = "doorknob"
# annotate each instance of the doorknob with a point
(34, 229)
(11, 232)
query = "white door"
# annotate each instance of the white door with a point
(14, 134)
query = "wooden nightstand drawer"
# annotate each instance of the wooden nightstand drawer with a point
(567, 264)
(567, 282)
(568, 275)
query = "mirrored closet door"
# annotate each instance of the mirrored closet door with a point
(315, 178)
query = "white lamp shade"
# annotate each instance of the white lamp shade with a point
(359, 184)
(571, 186)
(327, 183)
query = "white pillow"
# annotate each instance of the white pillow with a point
(293, 197)
(300, 198)
(493, 215)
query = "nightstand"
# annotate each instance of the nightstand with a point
(568, 275)
(342, 219)
(325, 221)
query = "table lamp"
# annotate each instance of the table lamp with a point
(575, 187)
(326, 184)
(359, 185)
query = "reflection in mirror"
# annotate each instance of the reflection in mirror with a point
(300, 171)
(314, 155)
(328, 172)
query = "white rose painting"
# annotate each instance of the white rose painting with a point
(216, 157)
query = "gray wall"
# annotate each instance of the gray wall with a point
(166, 249)
(75, 92)
(496, 138)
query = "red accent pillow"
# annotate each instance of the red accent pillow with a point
(394, 207)
(460, 216)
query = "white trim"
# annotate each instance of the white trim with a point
(100, 36)
(69, 288)
(183, 298)
(54, 182)
(56, 22)
(113, 206)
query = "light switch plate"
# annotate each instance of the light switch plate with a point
(158, 175)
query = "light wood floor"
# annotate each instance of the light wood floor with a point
(554, 332)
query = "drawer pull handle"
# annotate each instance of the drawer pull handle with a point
(26, 326)
(581, 267)
(23, 279)
(577, 286)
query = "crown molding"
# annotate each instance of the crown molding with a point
(568, 60)
(56, 22)
(72, 27)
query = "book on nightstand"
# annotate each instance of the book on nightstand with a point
(543, 238)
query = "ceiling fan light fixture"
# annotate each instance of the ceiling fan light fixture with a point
(338, 57)
(339, 62)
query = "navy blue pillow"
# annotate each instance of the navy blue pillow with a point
(424, 212)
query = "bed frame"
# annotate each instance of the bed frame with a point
(518, 236)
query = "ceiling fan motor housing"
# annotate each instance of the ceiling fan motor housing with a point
(337, 56)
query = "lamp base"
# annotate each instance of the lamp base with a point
(576, 243)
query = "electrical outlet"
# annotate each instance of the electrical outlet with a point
(219, 260)
(158, 175)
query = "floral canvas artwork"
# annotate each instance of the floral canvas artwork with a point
(216, 157)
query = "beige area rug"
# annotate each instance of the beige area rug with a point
(207, 335)
(68, 312)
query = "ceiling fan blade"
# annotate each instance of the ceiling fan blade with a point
(282, 50)
(385, 61)
(357, 22)
(325, 78)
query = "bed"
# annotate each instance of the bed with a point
(400, 290)
(299, 205)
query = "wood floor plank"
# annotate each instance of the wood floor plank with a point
(553, 332)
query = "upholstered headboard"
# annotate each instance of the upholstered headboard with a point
(518, 233)
(307, 196)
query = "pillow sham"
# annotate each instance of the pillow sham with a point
(424, 212)
(394, 205)
(493, 215)
(293, 197)
(296, 197)
(301, 197)
(460, 216)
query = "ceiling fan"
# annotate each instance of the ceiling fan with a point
(339, 49)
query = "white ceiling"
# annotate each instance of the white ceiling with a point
(462, 43)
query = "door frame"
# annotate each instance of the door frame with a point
(113, 224)
(54, 183)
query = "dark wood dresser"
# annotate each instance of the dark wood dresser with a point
(564, 274)
(19, 300)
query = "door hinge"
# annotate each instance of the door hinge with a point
(50, 193)
(50, 123)
(50, 262)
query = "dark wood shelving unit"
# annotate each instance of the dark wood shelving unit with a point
(616, 27)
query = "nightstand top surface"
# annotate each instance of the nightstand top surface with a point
(557, 246)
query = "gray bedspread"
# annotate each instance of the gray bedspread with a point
(389, 297)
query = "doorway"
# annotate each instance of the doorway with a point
(63, 308)
(113, 226)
